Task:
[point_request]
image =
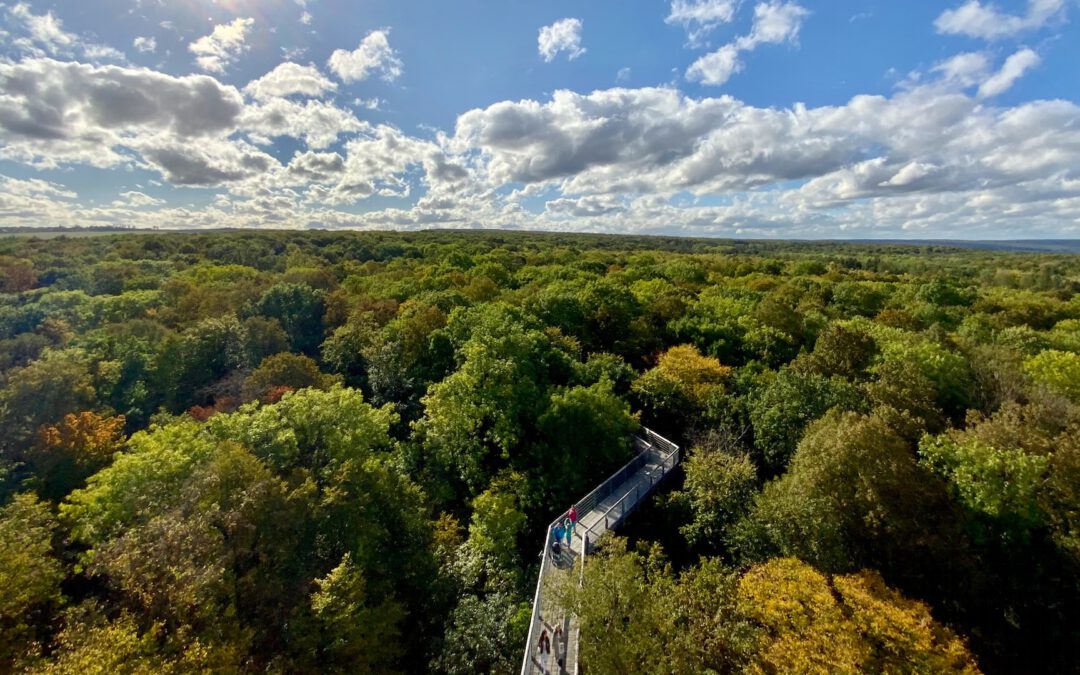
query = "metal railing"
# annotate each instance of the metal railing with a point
(652, 448)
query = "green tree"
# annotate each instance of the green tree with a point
(30, 575)
(284, 372)
(356, 635)
(586, 432)
(1056, 370)
(299, 309)
(783, 408)
(721, 482)
(854, 496)
(58, 383)
(485, 635)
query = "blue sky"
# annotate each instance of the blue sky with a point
(777, 118)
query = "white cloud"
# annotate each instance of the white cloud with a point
(44, 29)
(775, 22)
(700, 17)
(562, 36)
(623, 75)
(210, 162)
(964, 69)
(45, 35)
(717, 67)
(929, 141)
(1014, 68)
(373, 56)
(975, 19)
(317, 123)
(220, 48)
(135, 199)
(145, 44)
(287, 79)
(936, 158)
(53, 112)
(306, 18)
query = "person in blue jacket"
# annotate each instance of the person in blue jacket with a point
(558, 532)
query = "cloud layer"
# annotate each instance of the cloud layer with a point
(941, 154)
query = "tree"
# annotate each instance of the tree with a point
(679, 387)
(586, 432)
(845, 624)
(497, 521)
(202, 355)
(479, 415)
(58, 383)
(69, 452)
(842, 351)
(262, 338)
(29, 574)
(343, 351)
(485, 635)
(299, 309)
(720, 486)
(357, 635)
(1056, 370)
(784, 407)
(284, 372)
(854, 496)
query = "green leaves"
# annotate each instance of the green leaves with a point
(1001, 483)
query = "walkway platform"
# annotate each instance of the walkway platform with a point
(601, 510)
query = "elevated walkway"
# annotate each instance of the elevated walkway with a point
(601, 510)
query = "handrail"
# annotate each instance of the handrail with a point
(652, 446)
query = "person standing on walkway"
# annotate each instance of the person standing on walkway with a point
(558, 532)
(560, 647)
(568, 530)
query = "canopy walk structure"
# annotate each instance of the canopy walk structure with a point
(601, 510)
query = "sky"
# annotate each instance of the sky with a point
(955, 119)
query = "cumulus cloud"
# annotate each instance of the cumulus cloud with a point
(317, 123)
(1014, 68)
(562, 36)
(53, 111)
(937, 156)
(211, 162)
(928, 141)
(214, 52)
(975, 19)
(700, 17)
(288, 79)
(374, 56)
(145, 44)
(775, 22)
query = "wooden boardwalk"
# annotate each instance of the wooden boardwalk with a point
(601, 510)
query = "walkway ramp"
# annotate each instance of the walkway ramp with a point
(601, 510)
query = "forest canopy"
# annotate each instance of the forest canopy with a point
(337, 452)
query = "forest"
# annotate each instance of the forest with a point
(337, 452)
